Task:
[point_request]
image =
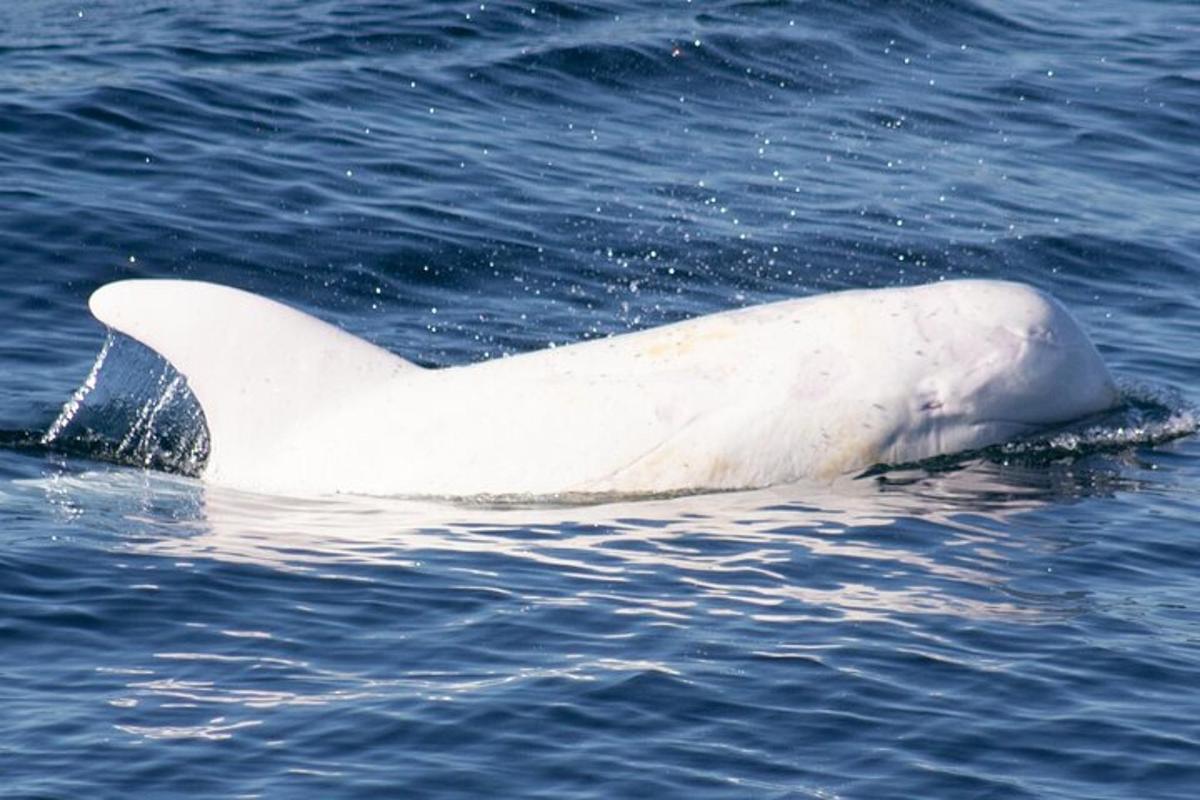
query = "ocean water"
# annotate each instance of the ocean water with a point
(458, 181)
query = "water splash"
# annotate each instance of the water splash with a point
(137, 441)
(133, 408)
(71, 408)
(1148, 416)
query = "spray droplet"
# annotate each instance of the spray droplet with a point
(71, 407)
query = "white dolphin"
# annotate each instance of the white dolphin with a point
(802, 389)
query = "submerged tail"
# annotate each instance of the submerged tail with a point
(260, 370)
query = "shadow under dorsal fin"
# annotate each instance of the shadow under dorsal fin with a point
(259, 369)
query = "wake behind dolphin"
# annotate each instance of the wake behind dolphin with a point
(802, 389)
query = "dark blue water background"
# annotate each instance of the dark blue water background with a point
(456, 181)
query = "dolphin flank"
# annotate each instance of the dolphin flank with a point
(811, 388)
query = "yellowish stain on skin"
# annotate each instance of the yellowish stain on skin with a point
(706, 472)
(720, 471)
(851, 459)
(678, 343)
(851, 448)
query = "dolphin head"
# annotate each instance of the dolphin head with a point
(988, 361)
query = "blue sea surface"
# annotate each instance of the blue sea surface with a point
(456, 181)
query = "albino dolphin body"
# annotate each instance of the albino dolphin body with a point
(808, 388)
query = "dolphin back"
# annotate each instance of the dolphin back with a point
(237, 351)
(809, 388)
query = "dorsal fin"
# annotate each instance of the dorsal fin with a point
(238, 352)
